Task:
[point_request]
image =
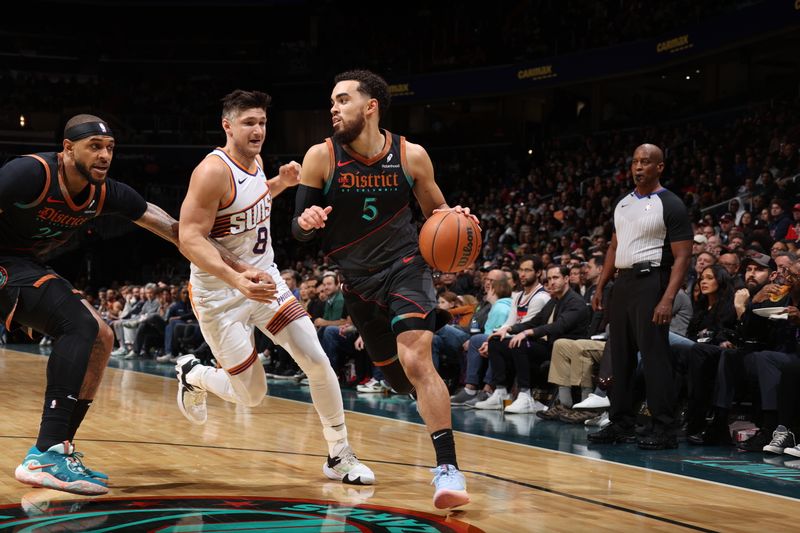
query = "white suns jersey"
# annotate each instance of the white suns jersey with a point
(242, 223)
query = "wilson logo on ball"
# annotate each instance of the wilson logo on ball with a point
(466, 251)
(449, 241)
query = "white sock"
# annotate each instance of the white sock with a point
(471, 392)
(214, 380)
(336, 438)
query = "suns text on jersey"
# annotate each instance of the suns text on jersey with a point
(251, 217)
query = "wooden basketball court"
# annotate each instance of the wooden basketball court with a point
(135, 433)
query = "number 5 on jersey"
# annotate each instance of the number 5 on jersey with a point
(370, 211)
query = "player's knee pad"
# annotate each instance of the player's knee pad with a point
(396, 377)
(417, 323)
(74, 336)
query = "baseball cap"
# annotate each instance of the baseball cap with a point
(727, 216)
(796, 207)
(759, 259)
(700, 239)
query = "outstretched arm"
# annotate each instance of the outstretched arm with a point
(159, 222)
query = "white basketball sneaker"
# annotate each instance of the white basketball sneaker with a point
(495, 401)
(191, 399)
(525, 404)
(348, 469)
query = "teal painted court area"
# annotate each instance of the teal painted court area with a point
(769, 473)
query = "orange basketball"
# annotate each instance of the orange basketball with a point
(449, 241)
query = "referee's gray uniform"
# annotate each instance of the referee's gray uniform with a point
(645, 227)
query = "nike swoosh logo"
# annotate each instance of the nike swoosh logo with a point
(54, 201)
(71, 397)
(407, 260)
(344, 163)
(623, 205)
(241, 181)
(39, 467)
(437, 436)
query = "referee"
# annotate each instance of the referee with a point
(651, 246)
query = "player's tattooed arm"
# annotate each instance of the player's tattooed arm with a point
(159, 222)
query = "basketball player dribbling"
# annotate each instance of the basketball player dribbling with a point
(230, 199)
(354, 193)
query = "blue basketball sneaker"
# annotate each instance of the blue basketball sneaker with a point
(60, 468)
(451, 487)
(89, 471)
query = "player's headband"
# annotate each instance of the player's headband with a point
(87, 129)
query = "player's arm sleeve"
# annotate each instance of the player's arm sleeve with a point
(305, 198)
(22, 180)
(124, 201)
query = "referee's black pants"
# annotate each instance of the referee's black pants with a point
(631, 331)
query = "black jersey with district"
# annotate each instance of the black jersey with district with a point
(370, 225)
(37, 213)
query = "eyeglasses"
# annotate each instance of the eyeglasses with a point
(777, 249)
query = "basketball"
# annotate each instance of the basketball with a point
(449, 241)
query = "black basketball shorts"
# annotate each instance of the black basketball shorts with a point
(399, 298)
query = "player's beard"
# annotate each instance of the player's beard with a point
(349, 133)
(87, 173)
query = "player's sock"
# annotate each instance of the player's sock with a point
(336, 437)
(56, 417)
(78, 415)
(214, 380)
(445, 447)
